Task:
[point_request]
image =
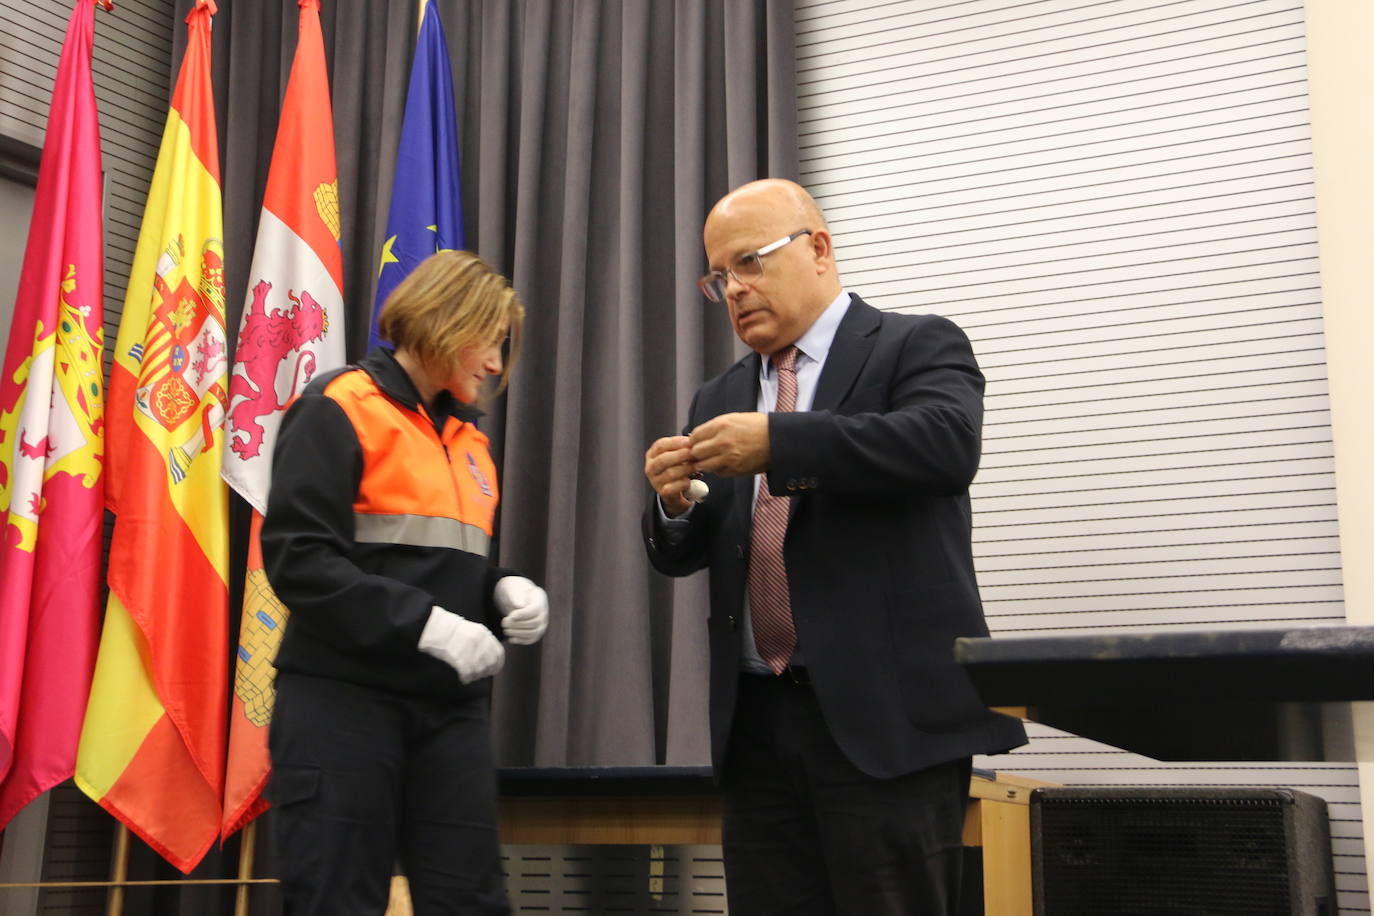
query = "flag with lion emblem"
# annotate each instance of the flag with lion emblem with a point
(292, 329)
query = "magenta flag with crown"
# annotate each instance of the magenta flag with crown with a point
(52, 449)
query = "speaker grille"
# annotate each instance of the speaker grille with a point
(609, 879)
(1155, 851)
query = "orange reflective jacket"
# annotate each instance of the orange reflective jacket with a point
(378, 512)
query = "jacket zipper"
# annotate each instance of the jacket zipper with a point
(448, 458)
(457, 490)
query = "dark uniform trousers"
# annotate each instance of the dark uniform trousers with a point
(806, 832)
(362, 778)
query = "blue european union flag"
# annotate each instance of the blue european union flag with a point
(426, 212)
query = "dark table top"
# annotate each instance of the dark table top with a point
(1275, 694)
(1297, 664)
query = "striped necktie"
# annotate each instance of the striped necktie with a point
(770, 603)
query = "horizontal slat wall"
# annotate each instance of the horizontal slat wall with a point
(1114, 199)
(29, 48)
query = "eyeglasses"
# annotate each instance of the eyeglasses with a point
(747, 270)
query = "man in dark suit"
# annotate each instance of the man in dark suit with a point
(836, 530)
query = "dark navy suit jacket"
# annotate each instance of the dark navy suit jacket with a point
(878, 553)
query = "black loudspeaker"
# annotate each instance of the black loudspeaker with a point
(1180, 851)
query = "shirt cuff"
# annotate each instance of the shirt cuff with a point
(674, 529)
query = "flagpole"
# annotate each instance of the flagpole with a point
(119, 871)
(247, 844)
(420, 17)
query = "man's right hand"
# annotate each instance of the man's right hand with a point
(668, 465)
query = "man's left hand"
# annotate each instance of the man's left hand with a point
(732, 444)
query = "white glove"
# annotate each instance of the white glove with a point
(469, 648)
(524, 607)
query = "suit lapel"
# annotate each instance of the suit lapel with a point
(742, 385)
(854, 340)
(853, 343)
(742, 396)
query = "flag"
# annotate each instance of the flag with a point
(292, 328)
(51, 446)
(426, 213)
(153, 742)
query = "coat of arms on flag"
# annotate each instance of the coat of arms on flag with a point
(182, 359)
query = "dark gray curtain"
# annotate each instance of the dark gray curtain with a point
(595, 135)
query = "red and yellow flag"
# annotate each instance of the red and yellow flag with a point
(153, 743)
(51, 448)
(292, 329)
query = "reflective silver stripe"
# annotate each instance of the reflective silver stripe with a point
(420, 531)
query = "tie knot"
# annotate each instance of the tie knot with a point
(785, 360)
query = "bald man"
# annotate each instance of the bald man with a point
(838, 457)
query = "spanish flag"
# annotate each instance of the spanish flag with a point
(153, 741)
(51, 445)
(292, 330)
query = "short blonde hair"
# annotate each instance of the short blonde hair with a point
(451, 302)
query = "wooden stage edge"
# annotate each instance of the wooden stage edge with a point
(997, 820)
